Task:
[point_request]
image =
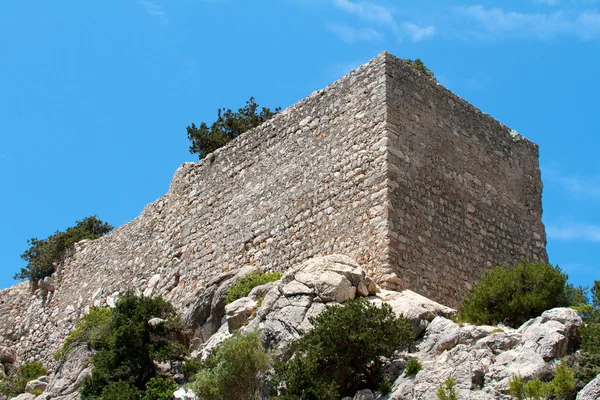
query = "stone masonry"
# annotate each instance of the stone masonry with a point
(384, 165)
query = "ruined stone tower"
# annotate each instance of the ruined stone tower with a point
(384, 165)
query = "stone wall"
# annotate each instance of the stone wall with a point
(383, 165)
(310, 181)
(465, 190)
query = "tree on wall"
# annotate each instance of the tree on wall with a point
(419, 66)
(228, 126)
(43, 254)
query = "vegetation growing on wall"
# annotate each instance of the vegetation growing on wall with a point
(44, 254)
(125, 349)
(419, 66)
(229, 125)
(243, 286)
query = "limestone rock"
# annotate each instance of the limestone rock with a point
(36, 385)
(482, 359)
(419, 310)
(551, 334)
(238, 312)
(365, 394)
(184, 394)
(24, 396)
(68, 378)
(8, 355)
(591, 391)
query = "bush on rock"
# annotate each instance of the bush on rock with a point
(235, 370)
(141, 331)
(343, 352)
(514, 295)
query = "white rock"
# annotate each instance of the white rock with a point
(591, 391)
(35, 385)
(184, 394)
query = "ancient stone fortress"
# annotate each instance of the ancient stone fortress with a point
(384, 165)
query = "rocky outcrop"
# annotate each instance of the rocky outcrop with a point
(591, 391)
(483, 358)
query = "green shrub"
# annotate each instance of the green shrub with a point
(514, 295)
(43, 254)
(190, 368)
(124, 358)
(93, 328)
(243, 286)
(446, 390)
(235, 370)
(120, 391)
(228, 126)
(386, 387)
(586, 367)
(516, 387)
(13, 385)
(160, 389)
(419, 66)
(562, 386)
(343, 352)
(412, 367)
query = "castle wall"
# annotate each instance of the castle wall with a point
(383, 165)
(465, 192)
(310, 181)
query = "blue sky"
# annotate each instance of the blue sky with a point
(95, 96)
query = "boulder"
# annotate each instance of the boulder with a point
(69, 375)
(36, 386)
(24, 396)
(552, 334)
(184, 394)
(238, 312)
(364, 394)
(591, 391)
(8, 355)
(419, 310)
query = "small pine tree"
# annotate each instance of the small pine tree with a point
(228, 126)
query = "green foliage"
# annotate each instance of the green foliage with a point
(420, 66)
(244, 285)
(43, 254)
(446, 390)
(13, 385)
(120, 390)
(93, 328)
(514, 295)
(516, 387)
(190, 368)
(386, 387)
(124, 356)
(536, 389)
(228, 126)
(343, 351)
(234, 371)
(586, 367)
(562, 386)
(412, 367)
(160, 389)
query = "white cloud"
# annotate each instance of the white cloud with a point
(156, 11)
(576, 186)
(418, 33)
(366, 10)
(498, 23)
(350, 34)
(383, 17)
(574, 232)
